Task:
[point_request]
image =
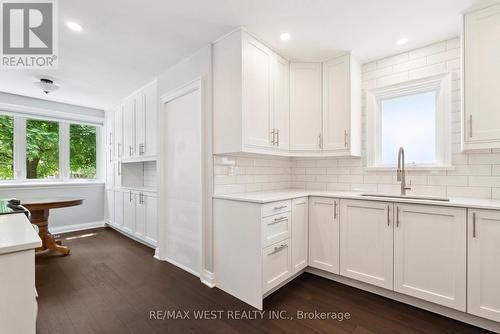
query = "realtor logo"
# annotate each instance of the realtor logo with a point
(29, 34)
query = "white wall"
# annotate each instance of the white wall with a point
(91, 212)
(476, 174)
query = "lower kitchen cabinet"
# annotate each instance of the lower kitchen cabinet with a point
(276, 264)
(366, 242)
(129, 205)
(118, 208)
(324, 234)
(146, 217)
(300, 233)
(483, 264)
(430, 254)
(109, 206)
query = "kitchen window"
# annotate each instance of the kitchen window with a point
(414, 115)
(34, 150)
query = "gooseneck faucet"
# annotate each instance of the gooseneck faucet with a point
(401, 173)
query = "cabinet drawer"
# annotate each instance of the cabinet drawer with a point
(276, 207)
(275, 228)
(276, 262)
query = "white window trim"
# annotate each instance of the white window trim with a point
(441, 84)
(19, 152)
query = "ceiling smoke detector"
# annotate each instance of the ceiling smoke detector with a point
(47, 85)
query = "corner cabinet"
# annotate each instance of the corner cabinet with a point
(481, 112)
(483, 269)
(250, 96)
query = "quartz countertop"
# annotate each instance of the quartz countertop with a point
(17, 234)
(280, 195)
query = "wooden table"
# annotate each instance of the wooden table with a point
(39, 209)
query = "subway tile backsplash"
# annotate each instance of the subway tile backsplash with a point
(475, 174)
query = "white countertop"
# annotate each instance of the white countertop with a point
(17, 234)
(280, 195)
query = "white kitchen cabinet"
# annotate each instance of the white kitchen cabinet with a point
(324, 234)
(481, 115)
(366, 242)
(342, 106)
(300, 233)
(250, 96)
(281, 104)
(110, 167)
(148, 140)
(146, 217)
(109, 207)
(129, 127)
(118, 132)
(483, 269)
(129, 206)
(117, 179)
(305, 107)
(118, 208)
(430, 254)
(276, 264)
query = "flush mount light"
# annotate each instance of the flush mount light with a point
(285, 36)
(74, 26)
(402, 41)
(47, 85)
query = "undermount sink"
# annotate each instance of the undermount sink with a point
(424, 198)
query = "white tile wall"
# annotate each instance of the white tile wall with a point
(476, 174)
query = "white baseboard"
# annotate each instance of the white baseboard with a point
(130, 235)
(183, 267)
(208, 278)
(76, 227)
(157, 253)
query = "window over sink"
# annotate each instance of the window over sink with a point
(414, 115)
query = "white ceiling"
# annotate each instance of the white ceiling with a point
(126, 43)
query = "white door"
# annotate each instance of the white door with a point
(324, 234)
(482, 75)
(118, 132)
(430, 254)
(305, 107)
(300, 233)
(183, 181)
(336, 103)
(129, 211)
(109, 213)
(483, 266)
(151, 114)
(140, 124)
(151, 232)
(366, 242)
(118, 199)
(129, 128)
(281, 103)
(257, 62)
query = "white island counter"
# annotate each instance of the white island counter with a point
(18, 241)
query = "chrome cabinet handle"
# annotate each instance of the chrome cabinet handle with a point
(273, 141)
(278, 249)
(119, 169)
(110, 155)
(130, 150)
(474, 232)
(278, 137)
(278, 220)
(388, 218)
(141, 149)
(279, 207)
(335, 210)
(470, 126)
(119, 150)
(320, 140)
(345, 137)
(130, 196)
(397, 216)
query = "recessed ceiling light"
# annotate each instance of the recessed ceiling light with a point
(74, 26)
(285, 36)
(402, 41)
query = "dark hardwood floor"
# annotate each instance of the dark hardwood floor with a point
(110, 284)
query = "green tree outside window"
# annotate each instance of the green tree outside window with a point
(6, 147)
(42, 149)
(82, 151)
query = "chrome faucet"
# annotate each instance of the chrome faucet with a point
(401, 173)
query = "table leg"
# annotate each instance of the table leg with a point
(41, 219)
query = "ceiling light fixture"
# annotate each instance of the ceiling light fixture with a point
(74, 26)
(402, 41)
(47, 85)
(285, 36)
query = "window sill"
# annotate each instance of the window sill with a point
(42, 184)
(409, 168)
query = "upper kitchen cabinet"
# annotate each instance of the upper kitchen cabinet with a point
(136, 123)
(305, 107)
(481, 114)
(342, 106)
(250, 96)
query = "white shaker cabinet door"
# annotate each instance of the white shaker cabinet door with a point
(300, 233)
(430, 254)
